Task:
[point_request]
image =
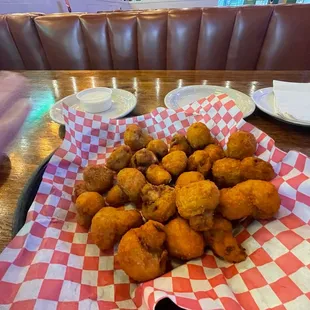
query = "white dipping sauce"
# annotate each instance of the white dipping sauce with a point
(96, 96)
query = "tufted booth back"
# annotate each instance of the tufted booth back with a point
(242, 38)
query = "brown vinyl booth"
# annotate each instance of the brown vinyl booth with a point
(241, 38)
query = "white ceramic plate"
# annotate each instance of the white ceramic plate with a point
(183, 96)
(123, 102)
(265, 101)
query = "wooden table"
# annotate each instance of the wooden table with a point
(40, 136)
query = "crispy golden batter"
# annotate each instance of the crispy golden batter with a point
(158, 147)
(189, 177)
(215, 152)
(225, 245)
(222, 241)
(87, 205)
(175, 163)
(182, 241)
(180, 143)
(135, 137)
(220, 223)
(198, 136)
(116, 197)
(202, 222)
(199, 161)
(256, 198)
(98, 178)
(78, 190)
(241, 144)
(158, 202)
(253, 168)
(120, 158)
(141, 252)
(142, 159)
(265, 199)
(196, 198)
(157, 175)
(226, 172)
(234, 204)
(110, 224)
(131, 181)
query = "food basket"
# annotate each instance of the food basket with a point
(53, 264)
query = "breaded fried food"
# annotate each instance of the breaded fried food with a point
(220, 223)
(110, 224)
(189, 177)
(157, 175)
(202, 222)
(175, 163)
(196, 198)
(222, 241)
(87, 205)
(226, 172)
(98, 178)
(241, 144)
(158, 202)
(225, 245)
(200, 161)
(120, 158)
(234, 204)
(253, 168)
(131, 181)
(78, 189)
(136, 138)
(158, 147)
(256, 198)
(198, 136)
(141, 252)
(214, 152)
(180, 143)
(142, 159)
(116, 197)
(182, 241)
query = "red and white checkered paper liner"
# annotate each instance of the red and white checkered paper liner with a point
(53, 264)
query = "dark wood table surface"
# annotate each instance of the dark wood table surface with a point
(40, 136)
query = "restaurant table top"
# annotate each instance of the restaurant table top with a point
(40, 136)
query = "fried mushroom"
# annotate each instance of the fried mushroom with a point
(175, 163)
(197, 198)
(241, 144)
(214, 152)
(136, 138)
(226, 172)
(180, 143)
(87, 205)
(198, 136)
(119, 158)
(110, 224)
(157, 175)
(98, 178)
(158, 202)
(131, 181)
(200, 161)
(182, 241)
(158, 147)
(141, 253)
(116, 197)
(142, 159)
(189, 177)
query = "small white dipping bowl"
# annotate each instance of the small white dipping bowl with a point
(95, 100)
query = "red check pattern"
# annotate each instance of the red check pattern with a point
(53, 264)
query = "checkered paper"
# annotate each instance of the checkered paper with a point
(53, 264)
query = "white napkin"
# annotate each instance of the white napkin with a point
(292, 100)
